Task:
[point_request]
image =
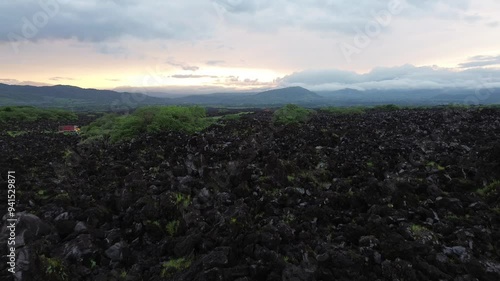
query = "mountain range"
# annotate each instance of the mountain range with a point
(75, 97)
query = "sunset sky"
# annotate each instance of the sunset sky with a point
(209, 45)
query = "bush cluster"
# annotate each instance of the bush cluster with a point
(149, 119)
(31, 114)
(291, 114)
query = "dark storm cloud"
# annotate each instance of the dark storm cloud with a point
(342, 16)
(403, 77)
(479, 61)
(97, 21)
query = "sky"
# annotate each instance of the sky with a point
(205, 46)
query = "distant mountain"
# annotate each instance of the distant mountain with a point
(74, 97)
(70, 96)
(348, 97)
(64, 96)
(272, 97)
(286, 95)
(347, 92)
(214, 99)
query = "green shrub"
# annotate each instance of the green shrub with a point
(126, 127)
(31, 114)
(417, 228)
(176, 118)
(173, 266)
(54, 269)
(291, 114)
(100, 128)
(182, 200)
(148, 120)
(172, 228)
(489, 189)
(16, 133)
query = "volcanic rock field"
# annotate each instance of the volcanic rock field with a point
(409, 194)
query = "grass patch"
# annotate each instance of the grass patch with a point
(172, 227)
(16, 133)
(182, 200)
(436, 165)
(489, 189)
(417, 229)
(54, 269)
(173, 266)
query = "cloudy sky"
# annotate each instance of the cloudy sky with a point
(208, 45)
